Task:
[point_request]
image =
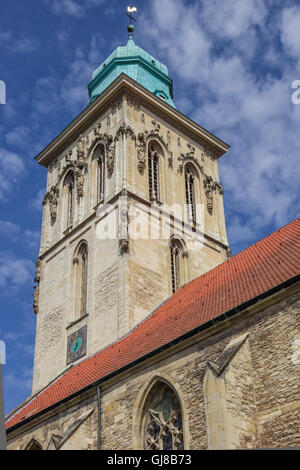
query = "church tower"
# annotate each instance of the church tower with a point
(133, 210)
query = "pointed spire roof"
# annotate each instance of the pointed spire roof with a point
(138, 65)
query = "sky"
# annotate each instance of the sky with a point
(233, 63)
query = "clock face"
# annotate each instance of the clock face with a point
(76, 347)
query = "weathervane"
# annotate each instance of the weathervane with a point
(130, 27)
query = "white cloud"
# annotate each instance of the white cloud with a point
(18, 137)
(36, 202)
(227, 91)
(52, 94)
(14, 271)
(20, 235)
(8, 229)
(232, 18)
(73, 7)
(290, 31)
(17, 42)
(12, 169)
(20, 380)
(69, 7)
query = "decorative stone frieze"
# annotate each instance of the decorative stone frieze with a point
(51, 197)
(124, 244)
(156, 127)
(123, 222)
(36, 292)
(218, 187)
(188, 156)
(210, 153)
(141, 146)
(38, 267)
(208, 187)
(36, 297)
(170, 161)
(80, 147)
(124, 130)
(110, 159)
(133, 101)
(141, 151)
(108, 142)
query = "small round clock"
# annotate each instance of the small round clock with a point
(76, 346)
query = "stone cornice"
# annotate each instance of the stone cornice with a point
(114, 93)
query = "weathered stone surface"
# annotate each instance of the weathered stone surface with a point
(129, 275)
(259, 390)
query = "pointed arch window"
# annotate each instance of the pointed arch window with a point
(100, 156)
(176, 270)
(190, 195)
(81, 266)
(69, 185)
(163, 420)
(153, 164)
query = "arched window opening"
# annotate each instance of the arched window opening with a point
(153, 163)
(176, 269)
(163, 427)
(81, 266)
(69, 185)
(190, 195)
(100, 157)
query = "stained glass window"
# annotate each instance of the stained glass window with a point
(163, 421)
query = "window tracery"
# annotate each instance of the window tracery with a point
(163, 421)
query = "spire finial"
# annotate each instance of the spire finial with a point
(130, 27)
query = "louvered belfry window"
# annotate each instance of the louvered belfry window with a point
(163, 421)
(153, 164)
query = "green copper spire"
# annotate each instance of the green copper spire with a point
(138, 65)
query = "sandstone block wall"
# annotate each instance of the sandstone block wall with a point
(238, 387)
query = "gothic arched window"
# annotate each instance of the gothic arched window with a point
(100, 157)
(81, 267)
(163, 427)
(190, 195)
(153, 164)
(176, 264)
(69, 188)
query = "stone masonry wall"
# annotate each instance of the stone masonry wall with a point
(264, 391)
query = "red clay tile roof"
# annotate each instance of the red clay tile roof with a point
(259, 268)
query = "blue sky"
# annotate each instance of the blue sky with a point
(233, 63)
